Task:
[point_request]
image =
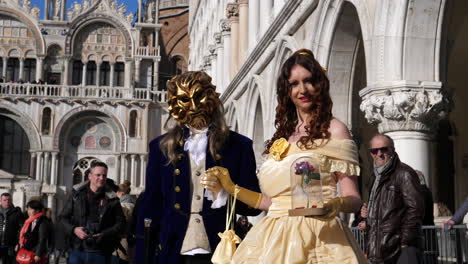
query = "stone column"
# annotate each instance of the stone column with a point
(128, 73)
(123, 166)
(98, 74)
(133, 169)
(4, 69)
(137, 72)
(39, 68)
(155, 75)
(139, 11)
(118, 170)
(51, 202)
(254, 16)
(46, 171)
(408, 114)
(32, 165)
(214, 66)
(111, 77)
(266, 8)
(220, 61)
(83, 80)
(53, 169)
(66, 69)
(226, 39)
(21, 69)
(39, 166)
(46, 10)
(232, 13)
(143, 170)
(243, 31)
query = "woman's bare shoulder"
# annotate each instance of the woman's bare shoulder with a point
(338, 130)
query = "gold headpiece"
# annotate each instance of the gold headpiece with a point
(303, 53)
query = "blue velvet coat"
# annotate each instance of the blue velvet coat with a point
(170, 210)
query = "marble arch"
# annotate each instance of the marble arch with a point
(62, 125)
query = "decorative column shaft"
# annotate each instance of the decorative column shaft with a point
(39, 166)
(4, 69)
(226, 38)
(118, 171)
(155, 75)
(137, 72)
(98, 74)
(32, 166)
(21, 69)
(53, 169)
(243, 31)
(266, 8)
(39, 68)
(220, 62)
(143, 170)
(66, 70)
(83, 80)
(111, 77)
(214, 66)
(123, 167)
(133, 170)
(232, 13)
(408, 112)
(46, 167)
(128, 73)
(254, 16)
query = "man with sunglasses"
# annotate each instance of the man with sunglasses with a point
(396, 207)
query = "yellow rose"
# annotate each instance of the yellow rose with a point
(278, 149)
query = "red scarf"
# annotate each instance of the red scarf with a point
(25, 227)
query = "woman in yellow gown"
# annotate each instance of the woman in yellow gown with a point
(305, 128)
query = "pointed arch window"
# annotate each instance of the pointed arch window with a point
(46, 121)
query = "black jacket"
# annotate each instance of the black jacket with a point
(111, 220)
(10, 227)
(38, 239)
(396, 215)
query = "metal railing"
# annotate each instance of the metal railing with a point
(440, 246)
(29, 90)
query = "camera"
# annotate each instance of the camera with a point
(90, 242)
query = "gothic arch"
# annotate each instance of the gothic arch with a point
(26, 19)
(62, 125)
(254, 94)
(81, 23)
(327, 22)
(26, 123)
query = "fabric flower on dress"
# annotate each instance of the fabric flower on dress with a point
(278, 149)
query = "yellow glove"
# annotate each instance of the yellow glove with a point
(246, 196)
(210, 182)
(336, 205)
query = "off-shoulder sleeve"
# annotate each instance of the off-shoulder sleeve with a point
(341, 156)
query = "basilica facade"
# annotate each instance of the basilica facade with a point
(78, 85)
(395, 67)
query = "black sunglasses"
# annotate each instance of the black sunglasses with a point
(382, 149)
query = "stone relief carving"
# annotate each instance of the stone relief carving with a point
(104, 5)
(217, 37)
(405, 109)
(35, 12)
(232, 10)
(57, 8)
(225, 25)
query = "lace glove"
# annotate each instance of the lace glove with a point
(336, 205)
(246, 196)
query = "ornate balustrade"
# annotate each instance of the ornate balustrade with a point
(78, 92)
(147, 51)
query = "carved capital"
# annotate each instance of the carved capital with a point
(206, 61)
(396, 109)
(232, 10)
(225, 25)
(217, 37)
(212, 49)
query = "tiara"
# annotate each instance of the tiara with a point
(303, 53)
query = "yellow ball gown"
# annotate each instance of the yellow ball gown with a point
(279, 238)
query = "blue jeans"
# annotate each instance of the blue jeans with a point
(84, 257)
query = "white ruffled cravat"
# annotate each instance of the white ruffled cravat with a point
(196, 146)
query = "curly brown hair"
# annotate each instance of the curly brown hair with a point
(286, 118)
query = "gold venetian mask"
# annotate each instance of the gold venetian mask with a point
(192, 99)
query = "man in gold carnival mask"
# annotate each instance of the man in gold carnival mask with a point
(186, 217)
